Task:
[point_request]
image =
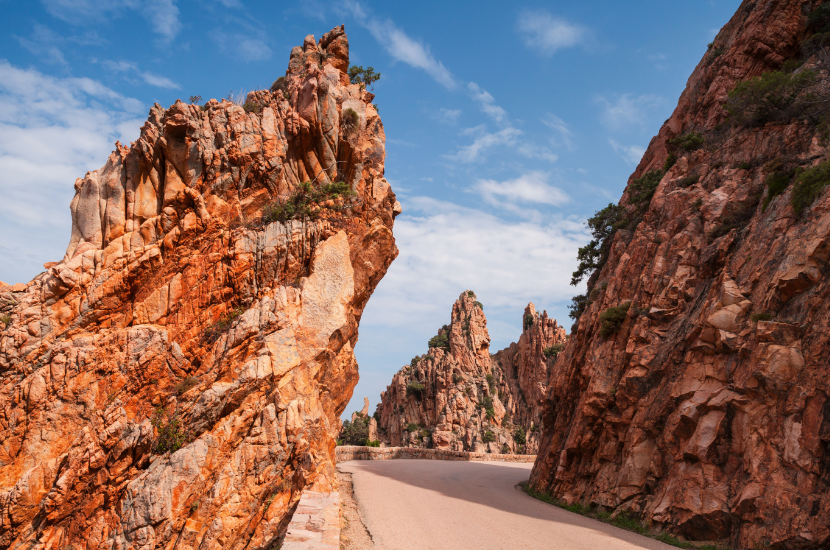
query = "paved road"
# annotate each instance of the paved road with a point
(441, 505)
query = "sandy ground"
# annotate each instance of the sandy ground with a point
(438, 505)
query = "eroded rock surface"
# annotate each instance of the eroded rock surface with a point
(453, 396)
(708, 412)
(181, 321)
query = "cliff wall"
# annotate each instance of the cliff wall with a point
(693, 392)
(460, 397)
(176, 380)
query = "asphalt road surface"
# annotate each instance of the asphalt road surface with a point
(442, 505)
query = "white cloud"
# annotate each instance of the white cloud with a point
(547, 33)
(627, 110)
(629, 153)
(487, 103)
(44, 43)
(558, 125)
(507, 137)
(149, 78)
(52, 131)
(448, 115)
(531, 187)
(446, 249)
(242, 45)
(402, 47)
(162, 15)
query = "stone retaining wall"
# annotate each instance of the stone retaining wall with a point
(353, 452)
(315, 524)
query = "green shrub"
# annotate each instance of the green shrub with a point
(688, 181)
(744, 166)
(488, 436)
(755, 317)
(279, 85)
(593, 255)
(688, 142)
(170, 434)
(364, 77)
(301, 204)
(355, 433)
(6, 320)
(577, 306)
(351, 120)
(413, 427)
(642, 189)
(471, 294)
(737, 217)
(528, 321)
(520, 436)
(456, 378)
(791, 65)
(816, 43)
(252, 107)
(697, 204)
(441, 340)
(554, 350)
(671, 160)
(611, 320)
(416, 389)
(819, 19)
(630, 523)
(667, 538)
(372, 443)
(414, 361)
(772, 96)
(777, 183)
(809, 185)
(195, 99)
(217, 329)
(479, 305)
(186, 384)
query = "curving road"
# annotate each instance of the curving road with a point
(440, 505)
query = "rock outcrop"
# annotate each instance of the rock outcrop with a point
(177, 379)
(700, 401)
(461, 398)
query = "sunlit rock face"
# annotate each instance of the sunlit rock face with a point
(707, 412)
(460, 397)
(175, 381)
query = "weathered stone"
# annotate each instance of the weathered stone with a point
(179, 310)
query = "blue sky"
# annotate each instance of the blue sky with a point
(507, 124)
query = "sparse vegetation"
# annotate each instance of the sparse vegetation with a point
(488, 436)
(252, 107)
(355, 433)
(744, 166)
(6, 320)
(554, 350)
(471, 294)
(755, 317)
(279, 85)
(441, 340)
(220, 327)
(577, 306)
(688, 142)
(351, 120)
(186, 384)
(611, 320)
(641, 191)
(308, 201)
(520, 436)
(372, 443)
(413, 427)
(195, 99)
(479, 305)
(776, 95)
(414, 361)
(456, 378)
(688, 181)
(170, 435)
(697, 204)
(809, 185)
(777, 182)
(593, 255)
(528, 321)
(738, 216)
(416, 389)
(364, 77)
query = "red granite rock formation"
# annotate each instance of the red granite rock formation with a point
(705, 410)
(176, 380)
(454, 395)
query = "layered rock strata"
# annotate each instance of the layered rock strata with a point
(705, 409)
(460, 397)
(176, 380)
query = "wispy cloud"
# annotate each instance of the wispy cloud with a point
(531, 188)
(402, 47)
(547, 33)
(242, 45)
(486, 102)
(448, 115)
(558, 125)
(52, 130)
(161, 15)
(44, 43)
(627, 110)
(152, 79)
(629, 153)
(507, 137)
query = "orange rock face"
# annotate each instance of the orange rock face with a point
(176, 380)
(697, 415)
(457, 395)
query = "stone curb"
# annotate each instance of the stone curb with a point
(315, 524)
(353, 452)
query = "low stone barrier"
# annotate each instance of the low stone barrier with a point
(315, 524)
(353, 452)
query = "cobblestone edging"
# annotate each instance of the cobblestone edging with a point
(348, 452)
(315, 524)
